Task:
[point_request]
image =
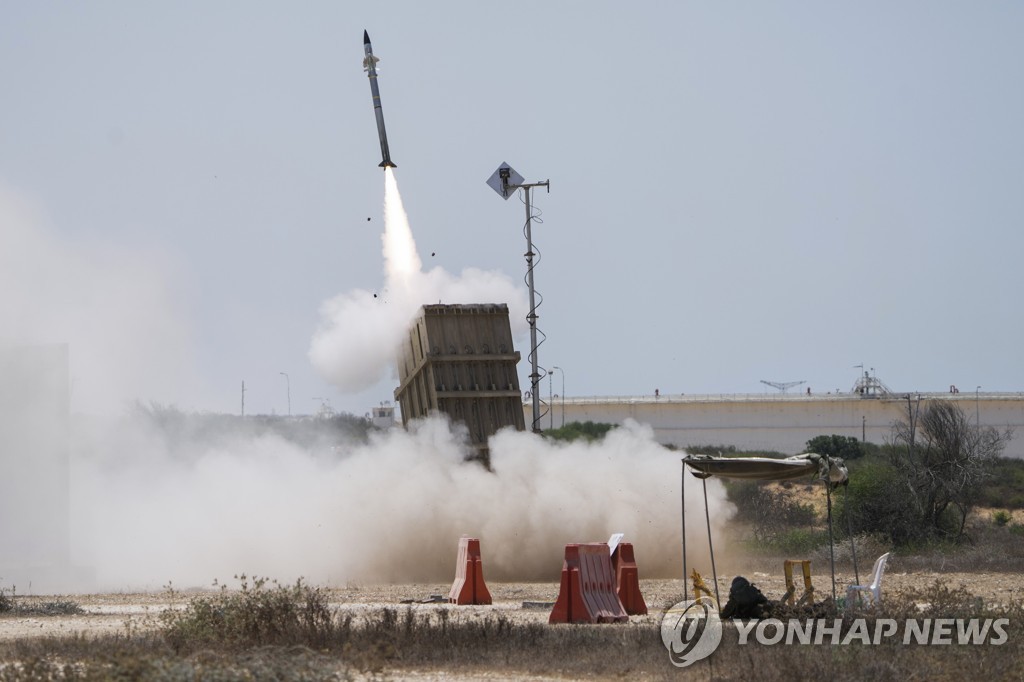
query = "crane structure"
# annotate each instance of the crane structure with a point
(783, 386)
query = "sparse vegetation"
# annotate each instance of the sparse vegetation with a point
(788, 519)
(1004, 487)
(589, 431)
(389, 642)
(777, 520)
(260, 613)
(11, 604)
(1001, 517)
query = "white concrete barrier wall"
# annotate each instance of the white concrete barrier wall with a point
(782, 423)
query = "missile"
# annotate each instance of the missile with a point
(370, 66)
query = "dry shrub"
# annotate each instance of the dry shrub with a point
(986, 548)
(868, 546)
(261, 614)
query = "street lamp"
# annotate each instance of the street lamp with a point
(551, 413)
(288, 387)
(563, 392)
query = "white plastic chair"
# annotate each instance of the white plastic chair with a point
(874, 589)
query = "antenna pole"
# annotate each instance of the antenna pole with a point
(505, 181)
(532, 316)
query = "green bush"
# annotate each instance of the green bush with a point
(1001, 517)
(845, 447)
(876, 501)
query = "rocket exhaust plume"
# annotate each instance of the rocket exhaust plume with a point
(401, 262)
(356, 344)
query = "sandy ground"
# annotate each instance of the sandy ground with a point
(120, 612)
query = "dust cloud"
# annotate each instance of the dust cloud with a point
(389, 510)
(117, 306)
(123, 503)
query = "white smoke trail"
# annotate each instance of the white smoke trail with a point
(401, 262)
(357, 341)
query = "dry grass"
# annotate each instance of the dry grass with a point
(270, 631)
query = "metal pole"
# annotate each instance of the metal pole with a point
(563, 393)
(714, 571)
(551, 401)
(831, 543)
(288, 387)
(682, 507)
(505, 174)
(532, 316)
(977, 408)
(849, 529)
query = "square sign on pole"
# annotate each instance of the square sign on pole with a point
(505, 180)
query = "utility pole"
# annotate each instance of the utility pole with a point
(913, 410)
(551, 402)
(505, 181)
(563, 392)
(288, 387)
(243, 398)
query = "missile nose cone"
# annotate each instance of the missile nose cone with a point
(366, 37)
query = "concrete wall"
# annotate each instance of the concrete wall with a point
(779, 422)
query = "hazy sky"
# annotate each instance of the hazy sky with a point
(739, 191)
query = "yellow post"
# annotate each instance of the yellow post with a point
(699, 586)
(805, 568)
